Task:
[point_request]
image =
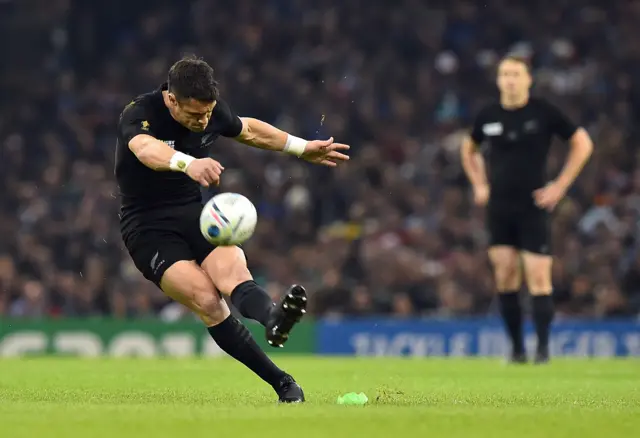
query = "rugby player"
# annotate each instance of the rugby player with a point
(162, 159)
(518, 130)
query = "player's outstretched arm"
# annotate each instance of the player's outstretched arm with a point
(159, 156)
(262, 135)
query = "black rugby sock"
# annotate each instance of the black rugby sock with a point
(511, 312)
(252, 301)
(542, 306)
(236, 340)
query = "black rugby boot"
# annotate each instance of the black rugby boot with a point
(289, 391)
(285, 315)
(542, 356)
(518, 358)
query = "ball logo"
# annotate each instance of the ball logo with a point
(231, 200)
(228, 219)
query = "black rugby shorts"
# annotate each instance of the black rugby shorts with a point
(157, 240)
(522, 226)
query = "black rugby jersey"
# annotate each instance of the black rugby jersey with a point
(143, 189)
(518, 143)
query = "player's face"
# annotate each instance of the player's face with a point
(190, 113)
(513, 77)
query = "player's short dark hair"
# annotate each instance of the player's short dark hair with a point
(193, 78)
(519, 59)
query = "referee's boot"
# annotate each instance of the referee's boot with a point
(518, 358)
(285, 315)
(542, 356)
(289, 391)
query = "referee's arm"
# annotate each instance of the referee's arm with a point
(581, 148)
(473, 163)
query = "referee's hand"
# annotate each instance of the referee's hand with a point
(205, 171)
(548, 197)
(481, 194)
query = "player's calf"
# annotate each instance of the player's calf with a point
(227, 266)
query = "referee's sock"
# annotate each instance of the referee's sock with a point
(236, 340)
(542, 307)
(512, 316)
(252, 301)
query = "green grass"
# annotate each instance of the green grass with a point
(159, 398)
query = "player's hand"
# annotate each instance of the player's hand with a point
(481, 194)
(325, 152)
(548, 197)
(205, 171)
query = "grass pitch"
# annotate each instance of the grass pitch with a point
(408, 398)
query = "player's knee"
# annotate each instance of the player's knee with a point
(539, 281)
(538, 273)
(508, 281)
(507, 274)
(227, 267)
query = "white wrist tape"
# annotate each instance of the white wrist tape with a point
(180, 162)
(295, 146)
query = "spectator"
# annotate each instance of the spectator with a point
(392, 232)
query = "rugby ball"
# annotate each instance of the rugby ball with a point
(228, 219)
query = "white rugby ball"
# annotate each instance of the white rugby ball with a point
(228, 219)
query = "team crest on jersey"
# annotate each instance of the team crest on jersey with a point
(145, 125)
(206, 140)
(492, 129)
(531, 126)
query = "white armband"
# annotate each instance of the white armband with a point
(295, 146)
(180, 162)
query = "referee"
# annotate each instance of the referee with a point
(518, 130)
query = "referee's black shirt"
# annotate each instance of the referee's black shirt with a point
(518, 143)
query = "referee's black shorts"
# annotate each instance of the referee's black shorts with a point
(156, 240)
(520, 225)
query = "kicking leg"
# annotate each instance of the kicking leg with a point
(227, 266)
(537, 268)
(508, 279)
(187, 283)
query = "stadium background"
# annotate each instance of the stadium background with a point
(391, 236)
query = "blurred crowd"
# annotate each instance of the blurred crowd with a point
(392, 232)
